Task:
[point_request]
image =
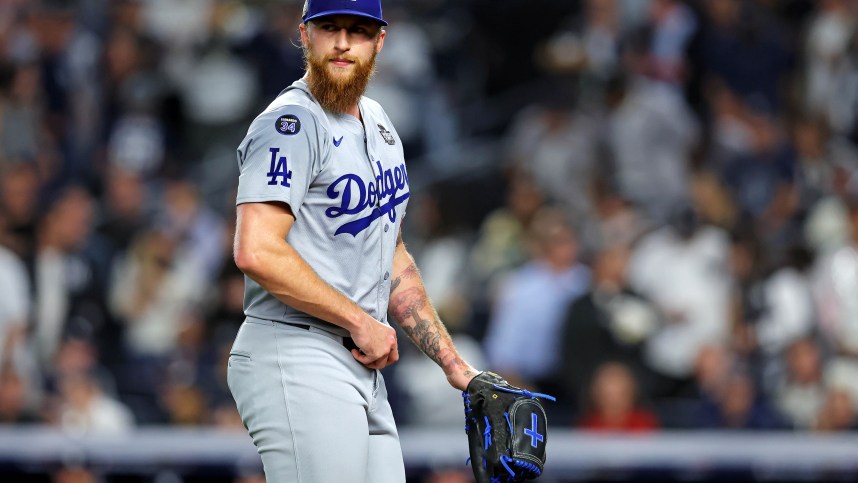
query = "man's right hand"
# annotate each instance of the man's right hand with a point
(377, 343)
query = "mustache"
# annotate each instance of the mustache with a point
(337, 92)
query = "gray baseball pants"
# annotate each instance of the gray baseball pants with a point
(316, 415)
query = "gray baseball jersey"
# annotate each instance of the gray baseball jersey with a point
(348, 191)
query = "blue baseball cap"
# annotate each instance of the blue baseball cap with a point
(361, 8)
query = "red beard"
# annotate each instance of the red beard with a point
(337, 93)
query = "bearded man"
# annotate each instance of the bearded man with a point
(322, 192)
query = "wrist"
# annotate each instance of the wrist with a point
(354, 321)
(461, 377)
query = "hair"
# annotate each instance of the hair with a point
(548, 222)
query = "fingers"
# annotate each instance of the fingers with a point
(368, 361)
(380, 362)
(377, 346)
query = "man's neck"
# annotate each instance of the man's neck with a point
(355, 111)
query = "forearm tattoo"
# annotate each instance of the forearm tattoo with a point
(406, 308)
(408, 273)
(451, 362)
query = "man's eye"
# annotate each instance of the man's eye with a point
(330, 28)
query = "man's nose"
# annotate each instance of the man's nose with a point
(342, 40)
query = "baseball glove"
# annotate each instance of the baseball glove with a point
(507, 430)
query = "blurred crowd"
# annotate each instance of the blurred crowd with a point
(668, 237)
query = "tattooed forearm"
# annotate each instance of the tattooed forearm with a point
(410, 272)
(405, 307)
(406, 304)
(451, 362)
(411, 309)
(425, 335)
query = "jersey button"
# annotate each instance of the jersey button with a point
(386, 274)
(386, 227)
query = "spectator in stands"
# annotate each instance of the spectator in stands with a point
(608, 323)
(151, 289)
(673, 23)
(837, 413)
(82, 393)
(839, 310)
(134, 92)
(185, 405)
(614, 403)
(827, 227)
(69, 276)
(680, 268)
(556, 145)
(192, 383)
(818, 152)
(522, 342)
(614, 220)
(743, 45)
(501, 245)
(655, 176)
(589, 43)
(14, 407)
(84, 407)
(19, 190)
(711, 368)
(763, 180)
(771, 305)
(501, 239)
(22, 114)
(747, 265)
(737, 405)
(194, 228)
(801, 393)
(124, 210)
(827, 64)
(15, 308)
(835, 278)
(712, 201)
(788, 307)
(69, 97)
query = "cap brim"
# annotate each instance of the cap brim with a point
(344, 12)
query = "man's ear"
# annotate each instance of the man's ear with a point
(305, 39)
(381, 36)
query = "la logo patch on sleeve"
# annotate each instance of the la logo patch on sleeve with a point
(288, 124)
(388, 138)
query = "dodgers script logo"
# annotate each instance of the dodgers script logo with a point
(356, 195)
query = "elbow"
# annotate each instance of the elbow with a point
(246, 260)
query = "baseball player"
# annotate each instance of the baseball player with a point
(322, 192)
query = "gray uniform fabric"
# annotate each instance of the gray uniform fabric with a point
(315, 413)
(348, 190)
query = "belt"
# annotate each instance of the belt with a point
(348, 342)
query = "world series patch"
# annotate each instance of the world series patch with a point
(388, 137)
(288, 124)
